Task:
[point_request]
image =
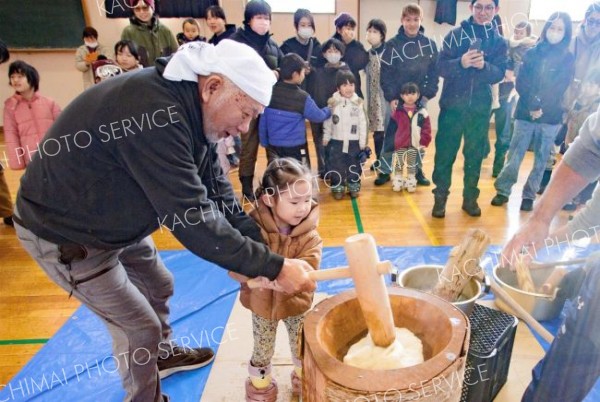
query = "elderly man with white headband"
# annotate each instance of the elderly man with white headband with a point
(134, 153)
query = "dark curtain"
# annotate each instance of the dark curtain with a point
(445, 11)
(164, 8)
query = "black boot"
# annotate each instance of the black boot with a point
(545, 180)
(421, 179)
(381, 179)
(471, 207)
(439, 206)
(247, 188)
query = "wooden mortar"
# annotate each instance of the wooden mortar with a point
(337, 323)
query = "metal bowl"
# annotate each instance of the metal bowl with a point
(541, 306)
(424, 277)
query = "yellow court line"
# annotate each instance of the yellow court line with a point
(417, 213)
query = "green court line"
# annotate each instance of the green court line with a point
(359, 225)
(22, 341)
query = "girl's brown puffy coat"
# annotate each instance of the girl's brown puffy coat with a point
(302, 243)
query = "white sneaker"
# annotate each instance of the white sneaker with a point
(397, 183)
(411, 184)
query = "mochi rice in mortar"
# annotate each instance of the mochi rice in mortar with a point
(405, 351)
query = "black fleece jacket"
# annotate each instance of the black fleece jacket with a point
(129, 155)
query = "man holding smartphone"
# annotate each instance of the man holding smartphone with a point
(473, 58)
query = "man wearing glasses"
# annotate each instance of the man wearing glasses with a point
(473, 57)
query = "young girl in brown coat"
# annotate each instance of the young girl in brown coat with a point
(288, 217)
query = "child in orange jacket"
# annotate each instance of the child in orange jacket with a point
(288, 217)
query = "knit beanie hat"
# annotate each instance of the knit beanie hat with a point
(256, 7)
(236, 61)
(344, 19)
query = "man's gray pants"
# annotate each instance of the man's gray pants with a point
(131, 299)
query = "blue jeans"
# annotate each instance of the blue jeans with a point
(503, 119)
(543, 140)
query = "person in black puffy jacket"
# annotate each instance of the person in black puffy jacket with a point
(472, 59)
(255, 33)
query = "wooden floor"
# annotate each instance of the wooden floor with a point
(33, 308)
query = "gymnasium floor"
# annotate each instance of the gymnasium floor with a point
(33, 308)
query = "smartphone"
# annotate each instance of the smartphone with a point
(476, 45)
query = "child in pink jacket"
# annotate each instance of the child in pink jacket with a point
(27, 115)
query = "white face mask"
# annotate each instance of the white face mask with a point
(305, 32)
(91, 45)
(554, 37)
(333, 58)
(261, 26)
(373, 38)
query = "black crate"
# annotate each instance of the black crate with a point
(490, 349)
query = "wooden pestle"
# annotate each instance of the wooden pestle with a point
(524, 279)
(462, 264)
(371, 292)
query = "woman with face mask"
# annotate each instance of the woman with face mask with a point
(356, 57)
(303, 42)
(255, 33)
(378, 111)
(88, 53)
(585, 47)
(543, 78)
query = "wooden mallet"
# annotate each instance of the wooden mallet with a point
(367, 273)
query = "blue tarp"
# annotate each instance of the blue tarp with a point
(76, 364)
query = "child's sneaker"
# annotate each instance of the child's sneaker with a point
(410, 184)
(398, 183)
(268, 394)
(338, 192)
(296, 384)
(354, 189)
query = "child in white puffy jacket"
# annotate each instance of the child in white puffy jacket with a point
(344, 136)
